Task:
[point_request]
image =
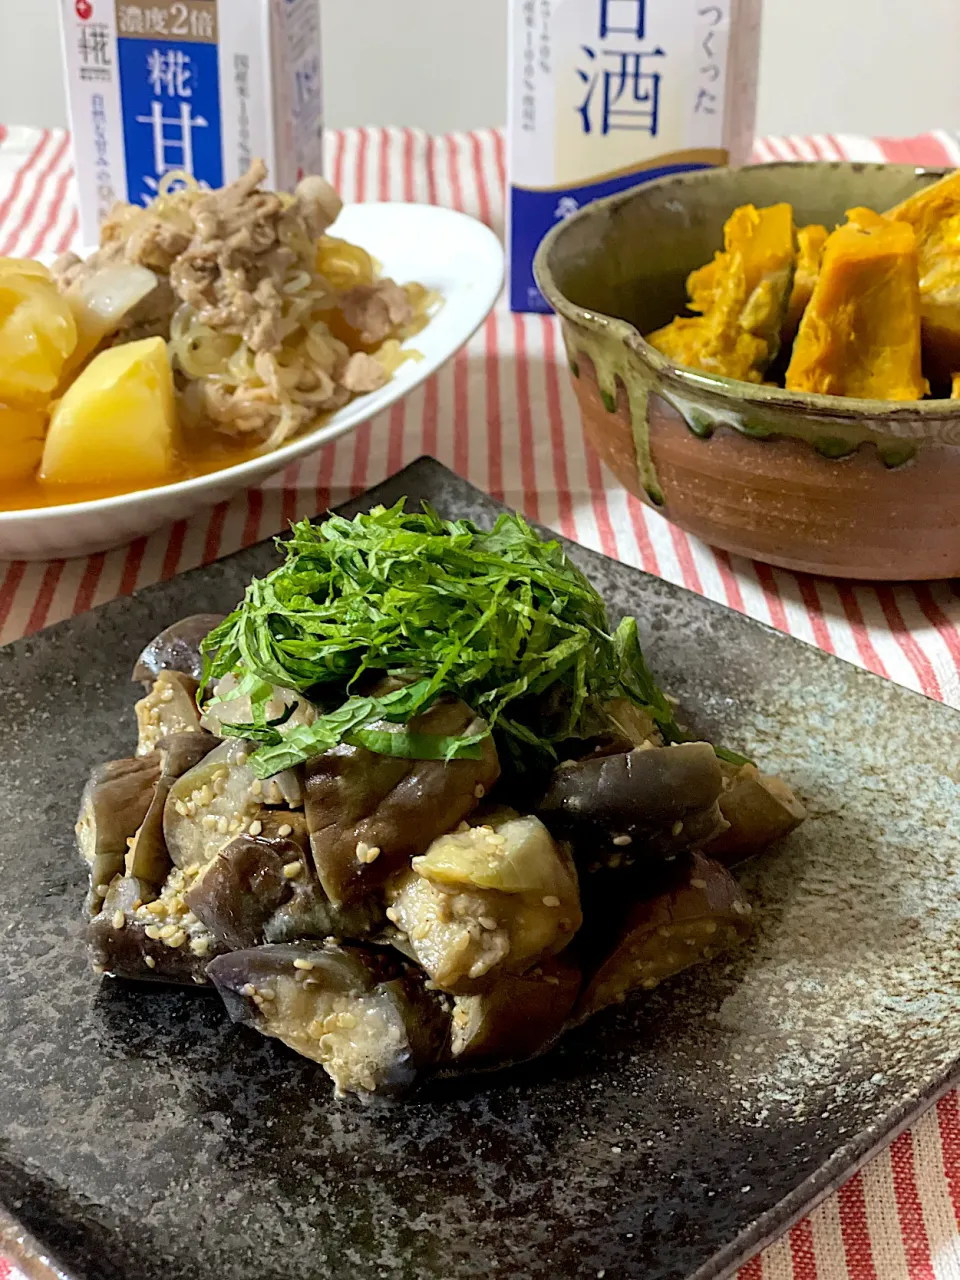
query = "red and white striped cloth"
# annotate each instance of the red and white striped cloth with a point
(503, 415)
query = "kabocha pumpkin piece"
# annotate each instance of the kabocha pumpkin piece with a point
(742, 297)
(810, 245)
(860, 334)
(934, 215)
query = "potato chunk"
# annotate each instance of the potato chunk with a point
(21, 441)
(37, 333)
(117, 422)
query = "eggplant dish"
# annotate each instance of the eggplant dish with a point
(415, 806)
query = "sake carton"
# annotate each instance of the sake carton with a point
(607, 94)
(194, 86)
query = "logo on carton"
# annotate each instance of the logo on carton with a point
(84, 10)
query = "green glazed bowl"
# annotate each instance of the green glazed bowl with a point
(820, 484)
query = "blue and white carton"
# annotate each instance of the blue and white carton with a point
(199, 86)
(607, 94)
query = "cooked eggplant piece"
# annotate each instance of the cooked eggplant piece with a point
(365, 1016)
(170, 707)
(518, 1018)
(369, 814)
(115, 802)
(239, 710)
(147, 858)
(262, 889)
(177, 649)
(703, 915)
(759, 808)
(646, 803)
(487, 901)
(146, 938)
(211, 804)
(635, 724)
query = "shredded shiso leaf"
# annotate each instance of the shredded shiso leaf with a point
(500, 618)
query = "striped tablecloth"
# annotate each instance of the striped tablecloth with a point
(503, 415)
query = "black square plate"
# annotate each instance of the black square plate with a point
(144, 1136)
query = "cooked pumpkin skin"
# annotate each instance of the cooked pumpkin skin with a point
(811, 242)
(860, 334)
(742, 297)
(934, 214)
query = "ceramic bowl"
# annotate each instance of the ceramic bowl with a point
(456, 255)
(821, 484)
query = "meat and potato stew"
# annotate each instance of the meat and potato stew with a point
(415, 807)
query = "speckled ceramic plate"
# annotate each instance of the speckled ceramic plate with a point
(145, 1136)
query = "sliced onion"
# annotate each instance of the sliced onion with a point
(101, 301)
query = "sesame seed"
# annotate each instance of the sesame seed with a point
(698, 884)
(119, 920)
(256, 786)
(152, 931)
(248, 989)
(266, 993)
(302, 964)
(392, 914)
(157, 908)
(200, 946)
(550, 900)
(292, 870)
(649, 983)
(284, 830)
(487, 922)
(256, 827)
(176, 939)
(676, 828)
(710, 926)
(622, 841)
(222, 826)
(167, 931)
(479, 790)
(552, 979)
(102, 890)
(150, 962)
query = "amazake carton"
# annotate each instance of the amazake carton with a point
(202, 86)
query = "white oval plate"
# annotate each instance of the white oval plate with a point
(456, 255)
